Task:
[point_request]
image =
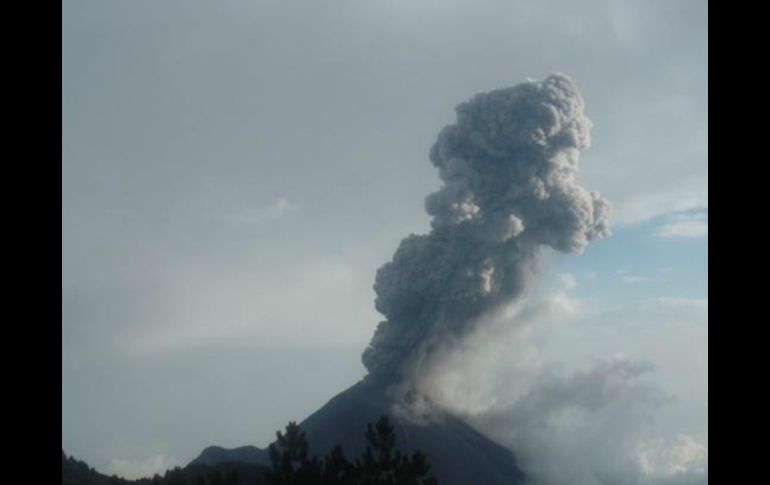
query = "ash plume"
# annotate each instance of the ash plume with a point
(508, 167)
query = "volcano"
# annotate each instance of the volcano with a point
(458, 454)
(508, 167)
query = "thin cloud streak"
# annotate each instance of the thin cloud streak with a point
(275, 210)
(687, 226)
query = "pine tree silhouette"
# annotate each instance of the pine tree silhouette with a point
(291, 464)
(383, 464)
(380, 464)
(337, 470)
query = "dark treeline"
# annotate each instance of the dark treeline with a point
(76, 472)
(380, 464)
(291, 464)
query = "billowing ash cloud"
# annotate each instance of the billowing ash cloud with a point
(508, 168)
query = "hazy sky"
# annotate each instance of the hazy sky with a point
(234, 172)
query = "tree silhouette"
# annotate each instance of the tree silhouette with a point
(383, 464)
(337, 470)
(380, 464)
(232, 477)
(291, 464)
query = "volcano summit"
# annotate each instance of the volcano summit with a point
(508, 167)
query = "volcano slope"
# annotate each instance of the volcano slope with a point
(508, 167)
(458, 454)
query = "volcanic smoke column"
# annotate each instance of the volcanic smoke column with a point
(508, 168)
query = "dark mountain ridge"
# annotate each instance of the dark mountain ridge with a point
(213, 455)
(458, 454)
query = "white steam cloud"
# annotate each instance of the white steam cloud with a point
(594, 425)
(133, 469)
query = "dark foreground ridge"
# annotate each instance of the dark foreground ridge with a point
(77, 472)
(458, 454)
(243, 454)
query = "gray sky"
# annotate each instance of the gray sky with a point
(234, 172)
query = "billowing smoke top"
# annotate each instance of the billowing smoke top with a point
(508, 168)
